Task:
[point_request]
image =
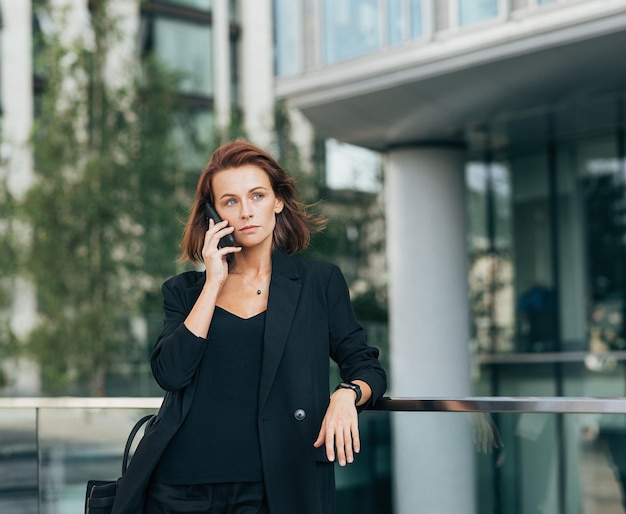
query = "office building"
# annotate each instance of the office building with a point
(503, 127)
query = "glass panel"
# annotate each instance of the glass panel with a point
(288, 34)
(510, 463)
(364, 487)
(351, 29)
(417, 29)
(395, 22)
(602, 194)
(77, 445)
(352, 167)
(473, 11)
(18, 461)
(534, 285)
(491, 254)
(572, 294)
(186, 48)
(196, 4)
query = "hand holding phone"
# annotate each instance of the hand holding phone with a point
(210, 212)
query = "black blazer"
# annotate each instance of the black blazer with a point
(309, 319)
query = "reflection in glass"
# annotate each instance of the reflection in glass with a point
(473, 11)
(417, 29)
(491, 256)
(18, 461)
(395, 23)
(351, 28)
(603, 210)
(534, 286)
(186, 48)
(288, 37)
(80, 444)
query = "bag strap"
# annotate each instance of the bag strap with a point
(131, 438)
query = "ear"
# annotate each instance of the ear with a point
(279, 205)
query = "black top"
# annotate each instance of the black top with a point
(218, 442)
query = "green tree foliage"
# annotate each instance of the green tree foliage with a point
(106, 205)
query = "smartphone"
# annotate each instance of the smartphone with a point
(210, 212)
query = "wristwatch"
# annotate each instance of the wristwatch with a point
(354, 387)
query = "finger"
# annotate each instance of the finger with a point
(349, 446)
(356, 439)
(330, 445)
(340, 446)
(321, 437)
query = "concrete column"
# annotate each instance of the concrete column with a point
(221, 63)
(257, 70)
(17, 94)
(16, 165)
(426, 244)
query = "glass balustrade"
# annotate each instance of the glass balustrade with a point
(506, 457)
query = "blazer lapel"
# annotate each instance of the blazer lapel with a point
(283, 298)
(193, 291)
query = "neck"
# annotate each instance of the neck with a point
(252, 263)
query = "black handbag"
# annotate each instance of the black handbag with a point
(101, 493)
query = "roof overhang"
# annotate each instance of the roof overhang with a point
(431, 92)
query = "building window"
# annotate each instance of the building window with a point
(179, 35)
(352, 167)
(351, 28)
(474, 11)
(186, 48)
(395, 22)
(288, 30)
(415, 12)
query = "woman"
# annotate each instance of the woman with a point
(247, 425)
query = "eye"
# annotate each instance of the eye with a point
(231, 201)
(258, 196)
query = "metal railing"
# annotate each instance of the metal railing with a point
(487, 404)
(490, 404)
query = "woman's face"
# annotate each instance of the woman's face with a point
(244, 197)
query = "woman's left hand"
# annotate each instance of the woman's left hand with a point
(340, 428)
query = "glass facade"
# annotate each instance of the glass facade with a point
(416, 17)
(473, 11)
(181, 39)
(395, 22)
(345, 29)
(547, 231)
(288, 47)
(186, 48)
(351, 28)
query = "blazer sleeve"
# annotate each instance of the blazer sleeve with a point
(348, 340)
(178, 351)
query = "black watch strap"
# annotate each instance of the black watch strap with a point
(354, 387)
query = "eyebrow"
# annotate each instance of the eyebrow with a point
(256, 188)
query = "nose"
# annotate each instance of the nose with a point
(246, 210)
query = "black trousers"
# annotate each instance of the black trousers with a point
(230, 498)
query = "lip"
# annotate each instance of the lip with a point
(248, 228)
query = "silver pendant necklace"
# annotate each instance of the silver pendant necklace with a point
(258, 290)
